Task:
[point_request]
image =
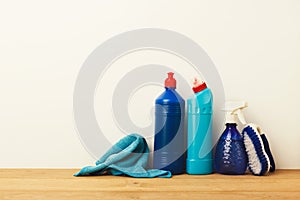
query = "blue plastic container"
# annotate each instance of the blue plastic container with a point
(230, 157)
(199, 154)
(169, 145)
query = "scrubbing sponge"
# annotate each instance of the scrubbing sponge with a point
(268, 151)
(260, 159)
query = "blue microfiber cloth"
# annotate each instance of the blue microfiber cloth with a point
(129, 156)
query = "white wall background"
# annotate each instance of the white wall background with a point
(254, 44)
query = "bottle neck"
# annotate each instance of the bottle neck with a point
(234, 132)
(170, 88)
(231, 126)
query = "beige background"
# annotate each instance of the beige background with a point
(254, 44)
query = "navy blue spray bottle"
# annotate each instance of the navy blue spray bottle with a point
(169, 141)
(230, 155)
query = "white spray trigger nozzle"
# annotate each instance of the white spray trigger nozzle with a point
(241, 116)
(233, 110)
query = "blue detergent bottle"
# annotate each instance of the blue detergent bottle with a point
(230, 155)
(199, 153)
(169, 145)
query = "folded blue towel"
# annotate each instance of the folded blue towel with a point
(128, 157)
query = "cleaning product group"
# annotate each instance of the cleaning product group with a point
(234, 152)
(176, 151)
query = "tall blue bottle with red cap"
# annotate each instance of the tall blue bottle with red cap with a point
(199, 153)
(169, 145)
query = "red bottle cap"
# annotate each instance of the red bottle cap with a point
(170, 82)
(198, 87)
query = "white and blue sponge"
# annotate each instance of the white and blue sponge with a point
(260, 159)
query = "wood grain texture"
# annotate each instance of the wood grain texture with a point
(60, 184)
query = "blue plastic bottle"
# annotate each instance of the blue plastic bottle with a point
(199, 154)
(169, 146)
(230, 156)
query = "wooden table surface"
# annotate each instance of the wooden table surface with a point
(60, 184)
